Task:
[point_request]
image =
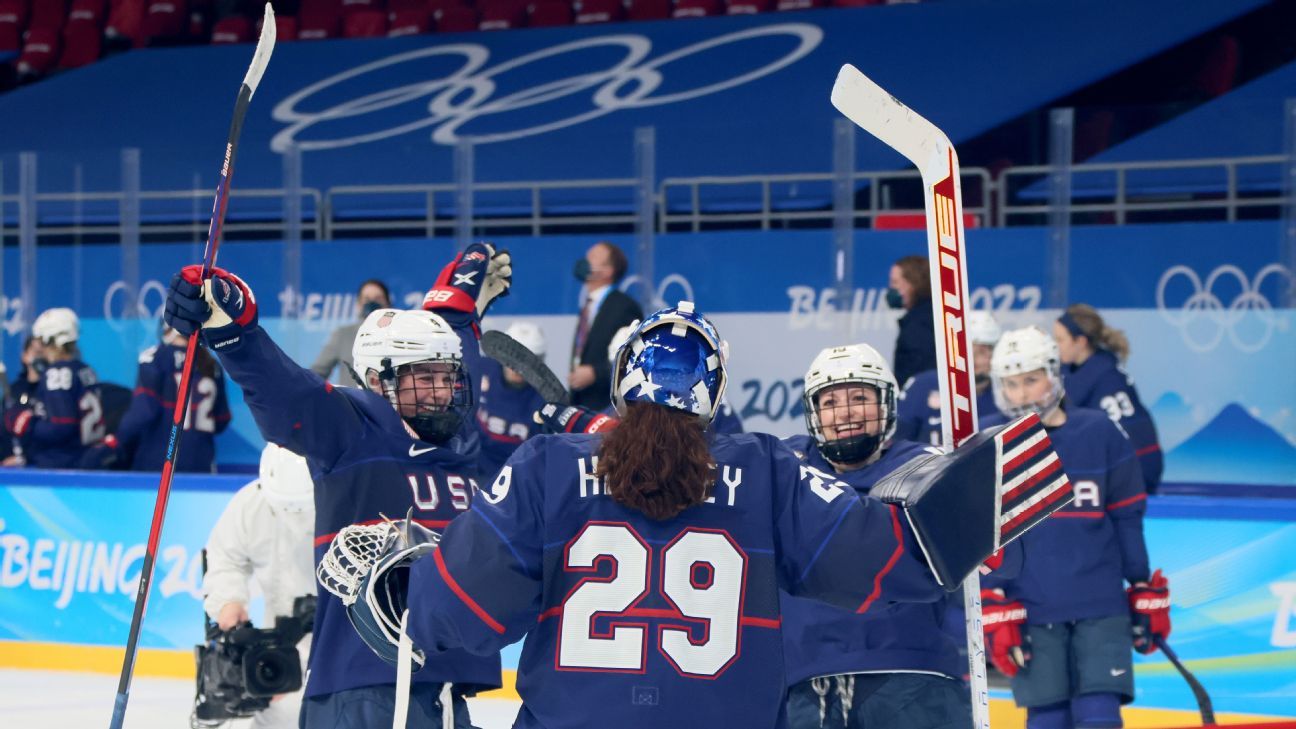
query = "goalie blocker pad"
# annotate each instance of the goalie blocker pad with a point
(964, 505)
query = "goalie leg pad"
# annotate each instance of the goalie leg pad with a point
(965, 505)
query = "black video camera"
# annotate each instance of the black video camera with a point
(240, 669)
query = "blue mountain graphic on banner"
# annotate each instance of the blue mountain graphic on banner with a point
(1234, 447)
(1173, 418)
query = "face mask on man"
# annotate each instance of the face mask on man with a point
(368, 308)
(894, 299)
(581, 270)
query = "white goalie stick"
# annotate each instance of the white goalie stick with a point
(899, 127)
(256, 69)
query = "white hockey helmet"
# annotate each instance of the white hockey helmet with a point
(286, 480)
(391, 340)
(982, 328)
(59, 327)
(850, 364)
(528, 335)
(1026, 350)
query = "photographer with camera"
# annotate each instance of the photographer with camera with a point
(266, 534)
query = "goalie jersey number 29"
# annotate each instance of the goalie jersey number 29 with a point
(633, 622)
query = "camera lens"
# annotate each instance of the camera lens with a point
(272, 670)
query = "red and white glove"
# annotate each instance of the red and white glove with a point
(557, 418)
(472, 281)
(1002, 619)
(1150, 611)
(18, 420)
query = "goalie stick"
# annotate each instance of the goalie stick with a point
(879, 113)
(260, 58)
(514, 355)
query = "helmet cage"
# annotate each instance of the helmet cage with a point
(854, 448)
(439, 404)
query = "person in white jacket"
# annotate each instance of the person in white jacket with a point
(266, 533)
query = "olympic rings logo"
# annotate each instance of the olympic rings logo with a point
(465, 95)
(120, 303)
(1203, 320)
(683, 290)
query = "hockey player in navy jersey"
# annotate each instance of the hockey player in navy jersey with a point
(407, 442)
(64, 416)
(1062, 627)
(847, 670)
(1092, 355)
(141, 437)
(642, 564)
(918, 418)
(507, 403)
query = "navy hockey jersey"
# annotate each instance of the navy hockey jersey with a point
(145, 428)
(918, 417)
(632, 622)
(1073, 563)
(1100, 383)
(823, 640)
(504, 416)
(366, 464)
(68, 416)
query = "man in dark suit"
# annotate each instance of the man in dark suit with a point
(603, 311)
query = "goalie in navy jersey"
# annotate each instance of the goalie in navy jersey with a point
(63, 417)
(1092, 354)
(507, 403)
(1063, 628)
(406, 442)
(642, 563)
(918, 416)
(140, 442)
(844, 670)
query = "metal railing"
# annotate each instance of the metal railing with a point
(534, 207)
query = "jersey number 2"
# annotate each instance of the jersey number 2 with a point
(701, 578)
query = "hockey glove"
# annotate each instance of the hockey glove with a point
(367, 567)
(102, 456)
(1002, 619)
(472, 281)
(18, 420)
(1150, 611)
(223, 306)
(558, 418)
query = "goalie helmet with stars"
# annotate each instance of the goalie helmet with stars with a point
(674, 358)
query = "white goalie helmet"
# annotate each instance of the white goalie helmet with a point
(57, 326)
(391, 342)
(982, 328)
(285, 479)
(528, 335)
(850, 364)
(1021, 351)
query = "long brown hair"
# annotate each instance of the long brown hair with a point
(915, 270)
(657, 461)
(1097, 332)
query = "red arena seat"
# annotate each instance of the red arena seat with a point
(82, 44)
(549, 13)
(599, 11)
(39, 53)
(749, 7)
(88, 11)
(164, 20)
(696, 8)
(502, 15)
(319, 19)
(48, 14)
(649, 9)
(412, 21)
(784, 5)
(13, 19)
(233, 29)
(455, 19)
(364, 24)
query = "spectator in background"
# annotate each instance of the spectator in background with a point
(372, 296)
(918, 414)
(1092, 355)
(64, 415)
(23, 385)
(507, 403)
(909, 288)
(603, 311)
(266, 533)
(140, 442)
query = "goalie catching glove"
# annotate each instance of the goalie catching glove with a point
(367, 567)
(967, 504)
(472, 281)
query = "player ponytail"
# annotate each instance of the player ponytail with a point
(657, 461)
(1099, 334)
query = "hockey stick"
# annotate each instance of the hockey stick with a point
(514, 355)
(260, 58)
(1199, 692)
(899, 127)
